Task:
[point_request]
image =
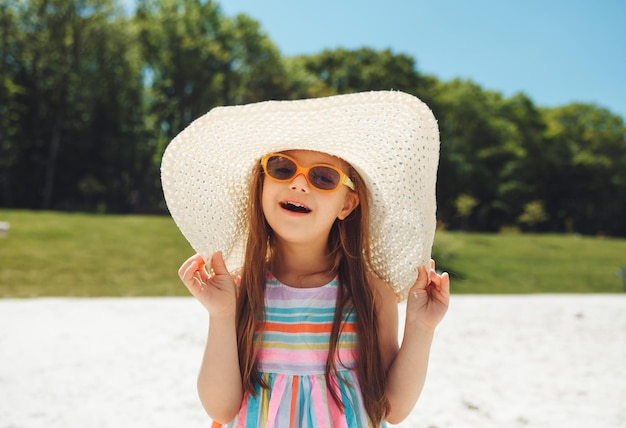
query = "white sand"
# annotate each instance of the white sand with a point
(497, 361)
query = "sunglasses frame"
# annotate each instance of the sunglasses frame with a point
(344, 179)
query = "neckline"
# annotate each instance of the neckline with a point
(332, 283)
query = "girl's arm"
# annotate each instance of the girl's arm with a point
(427, 304)
(219, 381)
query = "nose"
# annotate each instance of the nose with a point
(299, 183)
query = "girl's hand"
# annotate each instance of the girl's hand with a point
(429, 298)
(214, 289)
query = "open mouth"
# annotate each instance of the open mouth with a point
(294, 207)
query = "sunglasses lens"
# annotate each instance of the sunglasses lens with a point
(281, 168)
(324, 178)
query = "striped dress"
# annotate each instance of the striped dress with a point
(292, 359)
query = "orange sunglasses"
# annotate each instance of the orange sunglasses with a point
(323, 177)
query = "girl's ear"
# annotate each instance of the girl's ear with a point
(350, 203)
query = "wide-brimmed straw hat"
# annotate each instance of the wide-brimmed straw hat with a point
(391, 138)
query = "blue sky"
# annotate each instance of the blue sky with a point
(555, 51)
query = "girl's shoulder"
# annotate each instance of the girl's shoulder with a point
(386, 304)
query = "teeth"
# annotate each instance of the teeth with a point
(295, 206)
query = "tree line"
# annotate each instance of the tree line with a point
(90, 96)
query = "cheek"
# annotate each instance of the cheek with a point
(265, 198)
(269, 198)
(334, 208)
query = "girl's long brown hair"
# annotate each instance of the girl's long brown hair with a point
(348, 245)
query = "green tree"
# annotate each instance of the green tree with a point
(477, 144)
(589, 143)
(254, 70)
(197, 59)
(119, 153)
(465, 204)
(79, 103)
(184, 62)
(9, 108)
(533, 214)
(345, 71)
(522, 179)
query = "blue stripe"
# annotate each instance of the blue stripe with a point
(252, 413)
(305, 314)
(299, 319)
(298, 315)
(348, 408)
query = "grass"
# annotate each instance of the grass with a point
(82, 255)
(62, 254)
(530, 263)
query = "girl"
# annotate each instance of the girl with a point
(338, 222)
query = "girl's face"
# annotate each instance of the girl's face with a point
(299, 213)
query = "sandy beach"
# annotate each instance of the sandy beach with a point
(497, 361)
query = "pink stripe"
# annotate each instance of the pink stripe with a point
(337, 416)
(277, 394)
(304, 356)
(241, 417)
(318, 398)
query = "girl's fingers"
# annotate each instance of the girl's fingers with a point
(435, 278)
(186, 271)
(218, 265)
(202, 273)
(192, 273)
(184, 267)
(193, 270)
(422, 278)
(195, 258)
(445, 288)
(442, 285)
